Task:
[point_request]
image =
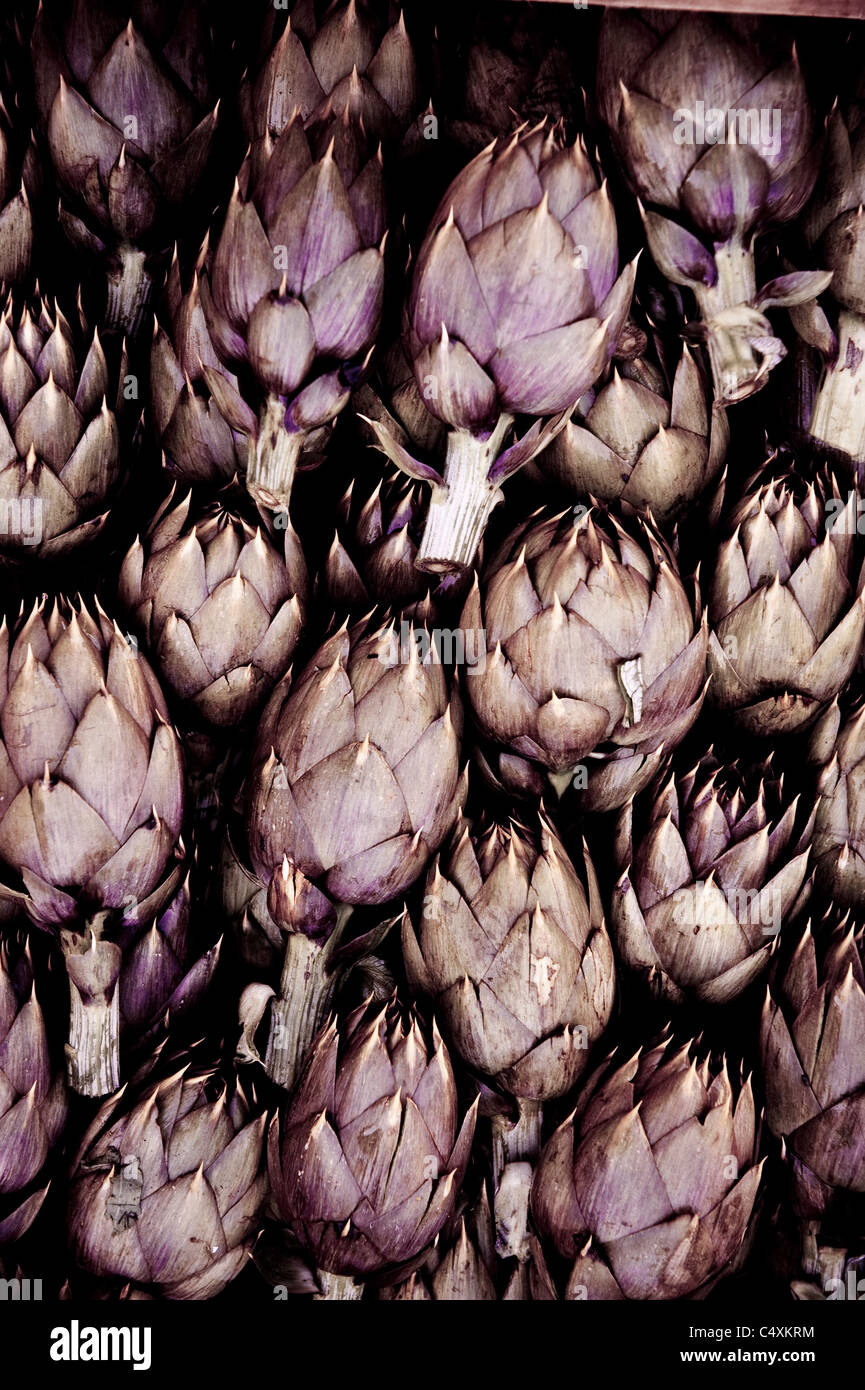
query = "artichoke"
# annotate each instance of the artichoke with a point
(785, 602)
(710, 867)
(514, 310)
(33, 1101)
(350, 62)
(513, 948)
(711, 119)
(811, 1046)
(166, 1187)
(218, 607)
(91, 805)
(358, 777)
(296, 289)
(60, 457)
(125, 93)
(839, 828)
(588, 647)
(366, 1160)
(649, 1186)
(833, 222)
(654, 445)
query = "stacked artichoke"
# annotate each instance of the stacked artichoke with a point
(432, 715)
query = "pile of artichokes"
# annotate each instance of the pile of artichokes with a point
(432, 713)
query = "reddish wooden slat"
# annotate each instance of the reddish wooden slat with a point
(840, 9)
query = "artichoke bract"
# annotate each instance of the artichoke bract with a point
(125, 93)
(814, 1068)
(166, 1188)
(358, 779)
(60, 454)
(649, 1186)
(164, 972)
(590, 649)
(785, 602)
(712, 120)
(19, 181)
(834, 223)
(372, 560)
(367, 1159)
(839, 829)
(217, 606)
(33, 1101)
(297, 286)
(514, 310)
(91, 805)
(710, 866)
(350, 62)
(656, 446)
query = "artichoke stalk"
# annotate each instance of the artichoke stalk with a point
(592, 653)
(373, 557)
(368, 1157)
(514, 310)
(649, 1186)
(834, 224)
(712, 121)
(91, 805)
(513, 948)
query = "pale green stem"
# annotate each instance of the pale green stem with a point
(838, 417)
(516, 1148)
(737, 334)
(337, 1286)
(273, 456)
(460, 509)
(128, 292)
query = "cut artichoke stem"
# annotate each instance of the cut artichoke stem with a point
(838, 417)
(737, 333)
(336, 1286)
(516, 1148)
(93, 1051)
(129, 292)
(273, 456)
(459, 510)
(305, 993)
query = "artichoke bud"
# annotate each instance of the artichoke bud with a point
(650, 1185)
